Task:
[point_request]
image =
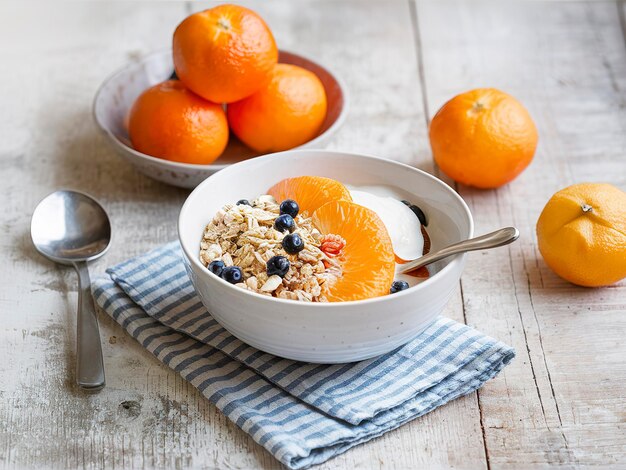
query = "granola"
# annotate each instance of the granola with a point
(244, 235)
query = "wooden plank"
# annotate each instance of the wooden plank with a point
(561, 402)
(147, 416)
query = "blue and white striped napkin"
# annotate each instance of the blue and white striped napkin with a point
(303, 414)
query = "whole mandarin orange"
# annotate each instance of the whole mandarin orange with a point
(581, 234)
(288, 111)
(170, 122)
(225, 53)
(483, 138)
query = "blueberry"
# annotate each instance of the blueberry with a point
(289, 206)
(420, 214)
(232, 274)
(397, 286)
(293, 244)
(216, 267)
(243, 202)
(284, 223)
(278, 265)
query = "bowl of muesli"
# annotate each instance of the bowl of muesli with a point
(295, 253)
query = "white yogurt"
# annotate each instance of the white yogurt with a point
(402, 224)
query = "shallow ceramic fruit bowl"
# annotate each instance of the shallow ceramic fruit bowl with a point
(326, 332)
(117, 94)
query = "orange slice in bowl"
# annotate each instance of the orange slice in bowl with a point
(310, 192)
(367, 260)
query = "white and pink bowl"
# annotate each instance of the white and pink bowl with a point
(326, 332)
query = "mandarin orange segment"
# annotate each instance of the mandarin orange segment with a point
(367, 260)
(310, 192)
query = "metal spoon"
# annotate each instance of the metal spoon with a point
(71, 228)
(504, 236)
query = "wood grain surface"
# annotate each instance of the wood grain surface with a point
(561, 403)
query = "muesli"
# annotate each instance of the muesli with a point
(258, 247)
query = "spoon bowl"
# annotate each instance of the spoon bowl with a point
(71, 228)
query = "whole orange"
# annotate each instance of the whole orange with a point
(285, 113)
(225, 53)
(170, 122)
(483, 138)
(582, 234)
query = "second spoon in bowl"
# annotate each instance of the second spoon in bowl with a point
(500, 237)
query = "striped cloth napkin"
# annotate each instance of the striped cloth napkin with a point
(303, 414)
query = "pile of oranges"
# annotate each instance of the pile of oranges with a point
(226, 57)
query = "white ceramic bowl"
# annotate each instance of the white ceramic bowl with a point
(326, 332)
(118, 92)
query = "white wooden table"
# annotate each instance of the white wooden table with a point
(561, 403)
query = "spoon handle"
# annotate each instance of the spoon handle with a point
(89, 364)
(500, 237)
